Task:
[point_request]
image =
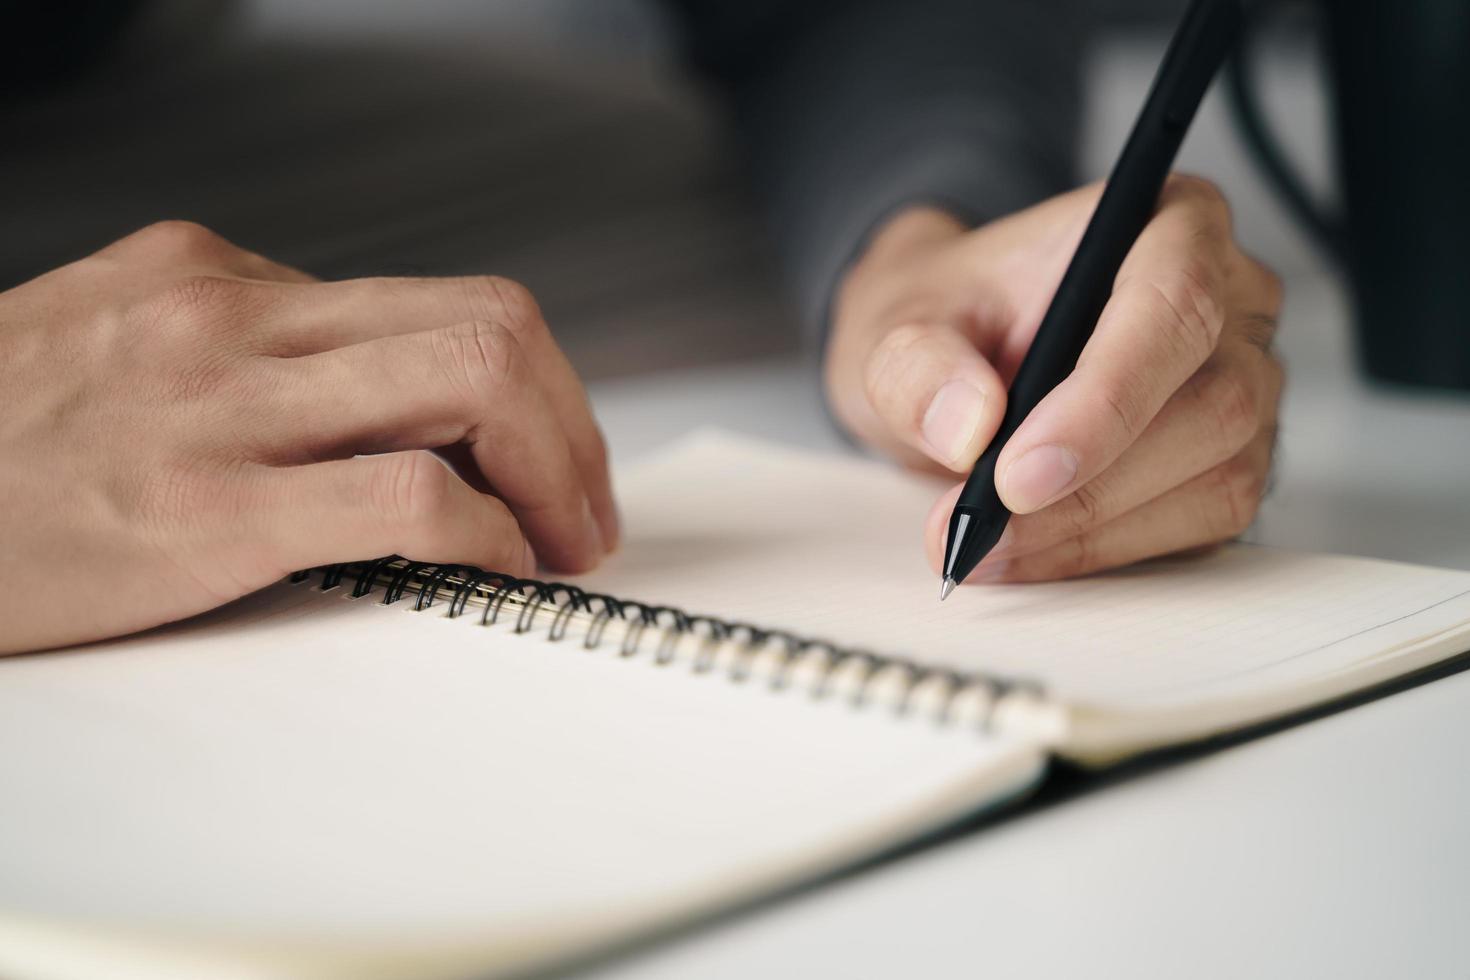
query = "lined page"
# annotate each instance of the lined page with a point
(831, 546)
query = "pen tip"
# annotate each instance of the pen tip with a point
(945, 588)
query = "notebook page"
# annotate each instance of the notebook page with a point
(320, 786)
(830, 545)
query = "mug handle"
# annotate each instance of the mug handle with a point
(1327, 229)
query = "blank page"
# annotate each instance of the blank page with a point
(831, 545)
(304, 784)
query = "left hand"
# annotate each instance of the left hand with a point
(1159, 441)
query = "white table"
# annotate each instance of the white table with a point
(1336, 848)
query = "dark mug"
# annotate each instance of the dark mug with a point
(1399, 91)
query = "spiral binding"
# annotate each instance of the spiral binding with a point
(788, 660)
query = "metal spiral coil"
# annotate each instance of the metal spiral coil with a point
(948, 696)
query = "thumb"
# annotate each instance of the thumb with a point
(932, 397)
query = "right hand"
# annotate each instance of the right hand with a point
(183, 422)
(1158, 442)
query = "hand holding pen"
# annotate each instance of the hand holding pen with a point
(1159, 441)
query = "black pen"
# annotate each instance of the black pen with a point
(1205, 36)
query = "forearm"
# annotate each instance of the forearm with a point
(852, 110)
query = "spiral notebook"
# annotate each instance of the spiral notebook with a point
(392, 769)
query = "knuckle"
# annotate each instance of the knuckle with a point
(1258, 321)
(1185, 304)
(1126, 404)
(504, 301)
(884, 372)
(1238, 489)
(1087, 507)
(177, 315)
(1201, 192)
(1259, 331)
(200, 320)
(1078, 558)
(411, 491)
(1230, 405)
(175, 237)
(898, 342)
(478, 357)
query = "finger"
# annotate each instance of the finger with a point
(1162, 322)
(1213, 507)
(461, 459)
(337, 314)
(1214, 416)
(349, 311)
(929, 396)
(191, 247)
(406, 504)
(1232, 398)
(1255, 299)
(468, 383)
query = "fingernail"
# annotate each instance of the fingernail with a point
(951, 420)
(1036, 478)
(530, 559)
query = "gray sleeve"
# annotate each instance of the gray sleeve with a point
(850, 110)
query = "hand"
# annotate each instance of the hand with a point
(1160, 441)
(181, 423)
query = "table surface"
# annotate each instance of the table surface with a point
(1336, 847)
(1333, 847)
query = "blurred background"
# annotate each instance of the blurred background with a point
(557, 142)
(560, 143)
